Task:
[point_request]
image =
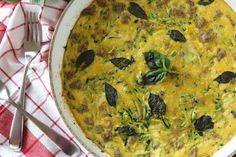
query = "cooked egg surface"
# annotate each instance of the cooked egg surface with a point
(148, 78)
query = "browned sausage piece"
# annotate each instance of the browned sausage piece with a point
(82, 108)
(70, 96)
(143, 25)
(83, 47)
(102, 3)
(91, 10)
(75, 37)
(192, 10)
(190, 2)
(221, 53)
(118, 7)
(217, 15)
(89, 121)
(177, 13)
(207, 36)
(69, 74)
(75, 84)
(161, 2)
(101, 52)
(200, 22)
(99, 34)
(106, 136)
(125, 18)
(99, 129)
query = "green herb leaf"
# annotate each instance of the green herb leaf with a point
(85, 59)
(111, 95)
(121, 62)
(152, 77)
(205, 2)
(137, 10)
(203, 123)
(176, 36)
(156, 60)
(126, 130)
(225, 77)
(159, 65)
(150, 60)
(157, 105)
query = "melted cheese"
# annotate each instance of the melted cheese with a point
(196, 63)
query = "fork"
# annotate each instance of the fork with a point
(31, 48)
(63, 143)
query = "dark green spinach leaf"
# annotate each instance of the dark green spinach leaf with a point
(177, 36)
(225, 77)
(205, 2)
(111, 95)
(137, 11)
(85, 59)
(126, 130)
(203, 123)
(121, 62)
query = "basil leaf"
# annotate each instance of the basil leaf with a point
(121, 62)
(225, 77)
(126, 130)
(157, 105)
(164, 61)
(137, 11)
(85, 59)
(176, 36)
(156, 60)
(205, 2)
(111, 95)
(150, 60)
(152, 77)
(203, 123)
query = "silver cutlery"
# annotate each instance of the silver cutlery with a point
(65, 145)
(31, 48)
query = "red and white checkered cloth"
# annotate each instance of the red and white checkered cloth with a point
(39, 100)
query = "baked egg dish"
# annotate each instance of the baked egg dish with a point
(153, 78)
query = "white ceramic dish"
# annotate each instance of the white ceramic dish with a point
(65, 24)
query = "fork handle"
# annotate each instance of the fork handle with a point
(64, 144)
(16, 132)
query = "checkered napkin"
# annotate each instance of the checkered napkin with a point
(39, 100)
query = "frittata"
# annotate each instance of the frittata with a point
(153, 78)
